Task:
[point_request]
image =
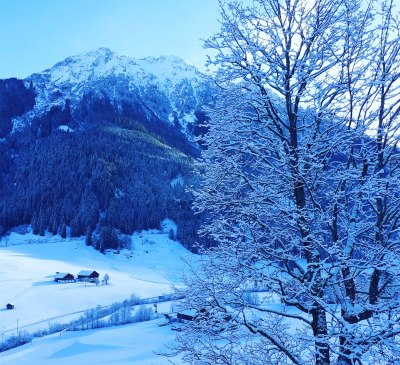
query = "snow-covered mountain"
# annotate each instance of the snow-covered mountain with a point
(133, 123)
(165, 88)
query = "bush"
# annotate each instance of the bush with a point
(143, 314)
(16, 340)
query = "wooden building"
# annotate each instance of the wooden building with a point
(186, 315)
(88, 275)
(62, 277)
(10, 306)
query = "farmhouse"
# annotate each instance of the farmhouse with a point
(62, 277)
(10, 306)
(88, 275)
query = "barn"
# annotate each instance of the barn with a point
(10, 306)
(62, 277)
(88, 275)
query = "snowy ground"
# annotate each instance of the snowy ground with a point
(27, 267)
(135, 344)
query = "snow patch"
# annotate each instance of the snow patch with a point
(189, 118)
(65, 128)
(178, 181)
(167, 225)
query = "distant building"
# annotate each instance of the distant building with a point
(88, 275)
(62, 277)
(186, 315)
(10, 306)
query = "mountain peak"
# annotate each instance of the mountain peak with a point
(91, 58)
(104, 63)
(164, 59)
(102, 53)
(98, 52)
(103, 50)
(168, 88)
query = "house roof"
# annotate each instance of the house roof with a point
(188, 312)
(62, 275)
(86, 272)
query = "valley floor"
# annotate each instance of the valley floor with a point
(135, 344)
(28, 265)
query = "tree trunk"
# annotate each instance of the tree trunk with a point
(320, 332)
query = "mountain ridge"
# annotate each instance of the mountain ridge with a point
(97, 144)
(170, 90)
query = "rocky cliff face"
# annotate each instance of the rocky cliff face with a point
(16, 99)
(102, 84)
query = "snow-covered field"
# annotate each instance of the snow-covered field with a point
(27, 267)
(135, 344)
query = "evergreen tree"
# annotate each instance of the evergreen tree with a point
(63, 232)
(89, 237)
(108, 238)
(34, 223)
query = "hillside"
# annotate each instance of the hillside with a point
(134, 344)
(97, 144)
(28, 266)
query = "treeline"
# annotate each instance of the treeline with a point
(105, 179)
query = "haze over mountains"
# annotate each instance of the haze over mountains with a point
(98, 142)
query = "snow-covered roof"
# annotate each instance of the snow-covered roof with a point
(85, 272)
(188, 312)
(62, 275)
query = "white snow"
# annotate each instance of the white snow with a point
(65, 128)
(178, 181)
(168, 79)
(74, 73)
(28, 266)
(134, 344)
(189, 118)
(168, 224)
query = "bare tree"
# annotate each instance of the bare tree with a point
(106, 279)
(301, 187)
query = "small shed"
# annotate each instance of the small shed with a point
(63, 277)
(186, 315)
(88, 275)
(10, 306)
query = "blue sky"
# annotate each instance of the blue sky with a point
(35, 34)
